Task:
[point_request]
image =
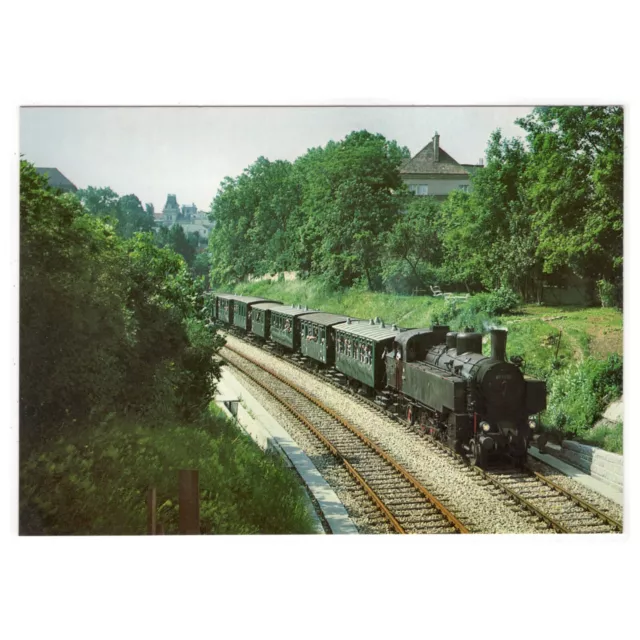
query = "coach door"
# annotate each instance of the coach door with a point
(398, 358)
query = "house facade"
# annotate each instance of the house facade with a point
(433, 172)
(187, 216)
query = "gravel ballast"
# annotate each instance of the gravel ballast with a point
(451, 483)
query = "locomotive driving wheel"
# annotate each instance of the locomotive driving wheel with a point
(477, 455)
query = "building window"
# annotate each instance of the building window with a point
(464, 187)
(422, 189)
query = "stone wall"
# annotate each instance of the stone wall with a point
(598, 463)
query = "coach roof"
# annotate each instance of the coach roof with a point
(325, 319)
(294, 311)
(367, 329)
(251, 299)
(267, 305)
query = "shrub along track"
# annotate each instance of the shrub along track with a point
(560, 510)
(406, 504)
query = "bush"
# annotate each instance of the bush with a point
(605, 437)
(497, 303)
(578, 395)
(608, 293)
(95, 482)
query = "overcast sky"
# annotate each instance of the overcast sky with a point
(188, 151)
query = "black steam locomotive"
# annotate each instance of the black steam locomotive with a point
(439, 380)
(481, 405)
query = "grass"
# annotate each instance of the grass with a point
(609, 438)
(550, 339)
(95, 482)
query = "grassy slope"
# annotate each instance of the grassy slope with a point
(533, 331)
(95, 482)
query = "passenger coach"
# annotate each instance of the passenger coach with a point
(317, 338)
(360, 348)
(285, 326)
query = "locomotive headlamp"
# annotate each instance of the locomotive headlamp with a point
(532, 423)
(485, 426)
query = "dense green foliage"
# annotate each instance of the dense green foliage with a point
(580, 393)
(186, 244)
(111, 325)
(327, 213)
(574, 183)
(126, 212)
(95, 482)
(414, 250)
(539, 211)
(117, 369)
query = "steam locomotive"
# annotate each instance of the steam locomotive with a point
(439, 380)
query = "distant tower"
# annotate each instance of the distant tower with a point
(171, 209)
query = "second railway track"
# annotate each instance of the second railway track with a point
(560, 510)
(406, 504)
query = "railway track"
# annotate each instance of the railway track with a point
(560, 510)
(405, 503)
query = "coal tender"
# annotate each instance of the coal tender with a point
(482, 406)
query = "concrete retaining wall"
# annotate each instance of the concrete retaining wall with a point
(598, 463)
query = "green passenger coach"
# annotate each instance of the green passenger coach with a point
(360, 349)
(285, 326)
(317, 338)
(224, 307)
(242, 310)
(261, 318)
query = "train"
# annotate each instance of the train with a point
(438, 380)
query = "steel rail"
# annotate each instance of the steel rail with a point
(352, 471)
(554, 524)
(579, 501)
(446, 450)
(457, 524)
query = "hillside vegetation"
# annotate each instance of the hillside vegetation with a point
(577, 351)
(117, 370)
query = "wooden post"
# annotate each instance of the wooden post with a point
(151, 511)
(189, 501)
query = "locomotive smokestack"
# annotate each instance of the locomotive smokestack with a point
(499, 344)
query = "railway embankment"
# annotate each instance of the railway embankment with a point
(236, 400)
(576, 350)
(602, 465)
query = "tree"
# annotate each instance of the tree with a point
(350, 198)
(327, 213)
(127, 210)
(132, 217)
(73, 327)
(576, 188)
(175, 239)
(487, 235)
(414, 249)
(252, 212)
(101, 201)
(107, 325)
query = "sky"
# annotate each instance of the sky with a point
(188, 151)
